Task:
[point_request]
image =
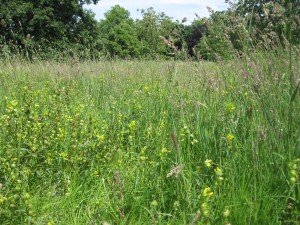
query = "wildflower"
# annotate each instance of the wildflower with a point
(293, 180)
(13, 103)
(226, 213)
(164, 152)
(101, 138)
(204, 205)
(294, 171)
(207, 192)
(132, 125)
(144, 150)
(176, 205)
(105, 223)
(146, 89)
(12, 106)
(2, 199)
(206, 213)
(64, 155)
(194, 141)
(230, 107)
(223, 92)
(230, 137)
(149, 131)
(218, 171)
(96, 173)
(162, 125)
(208, 163)
(154, 203)
(143, 158)
(205, 209)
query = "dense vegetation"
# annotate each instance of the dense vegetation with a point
(184, 141)
(150, 142)
(38, 28)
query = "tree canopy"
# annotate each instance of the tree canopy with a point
(118, 33)
(46, 23)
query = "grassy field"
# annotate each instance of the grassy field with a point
(139, 142)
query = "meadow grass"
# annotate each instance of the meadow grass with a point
(146, 142)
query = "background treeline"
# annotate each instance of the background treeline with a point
(47, 29)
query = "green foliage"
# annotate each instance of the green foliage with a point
(153, 36)
(225, 37)
(63, 29)
(118, 34)
(44, 25)
(249, 25)
(152, 27)
(122, 41)
(271, 19)
(193, 34)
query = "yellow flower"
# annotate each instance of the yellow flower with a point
(26, 196)
(207, 192)
(143, 158)
(176, 205)
(230, 137)
(101, 138)
(208, 163)
(218, 171)
(164, 153)
(230, 107)
(154, 203)
(223, 92)
(64, 155)
(2, 199)
(132, 125)
(226, 213)
(146, 89)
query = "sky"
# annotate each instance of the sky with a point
(177, 9)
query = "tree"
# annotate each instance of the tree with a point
(153, 28)
(118, 33)
(194, 32)
(54, 23)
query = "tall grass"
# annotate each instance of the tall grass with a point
(130, 142)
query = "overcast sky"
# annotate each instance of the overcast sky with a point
(177, 9)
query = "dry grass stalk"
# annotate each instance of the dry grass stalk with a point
(119, 183)
(175, 171)
(196, 218)
(169, 43)
(210, 10)
(120, 194)
(199, 104)
(175, 142)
